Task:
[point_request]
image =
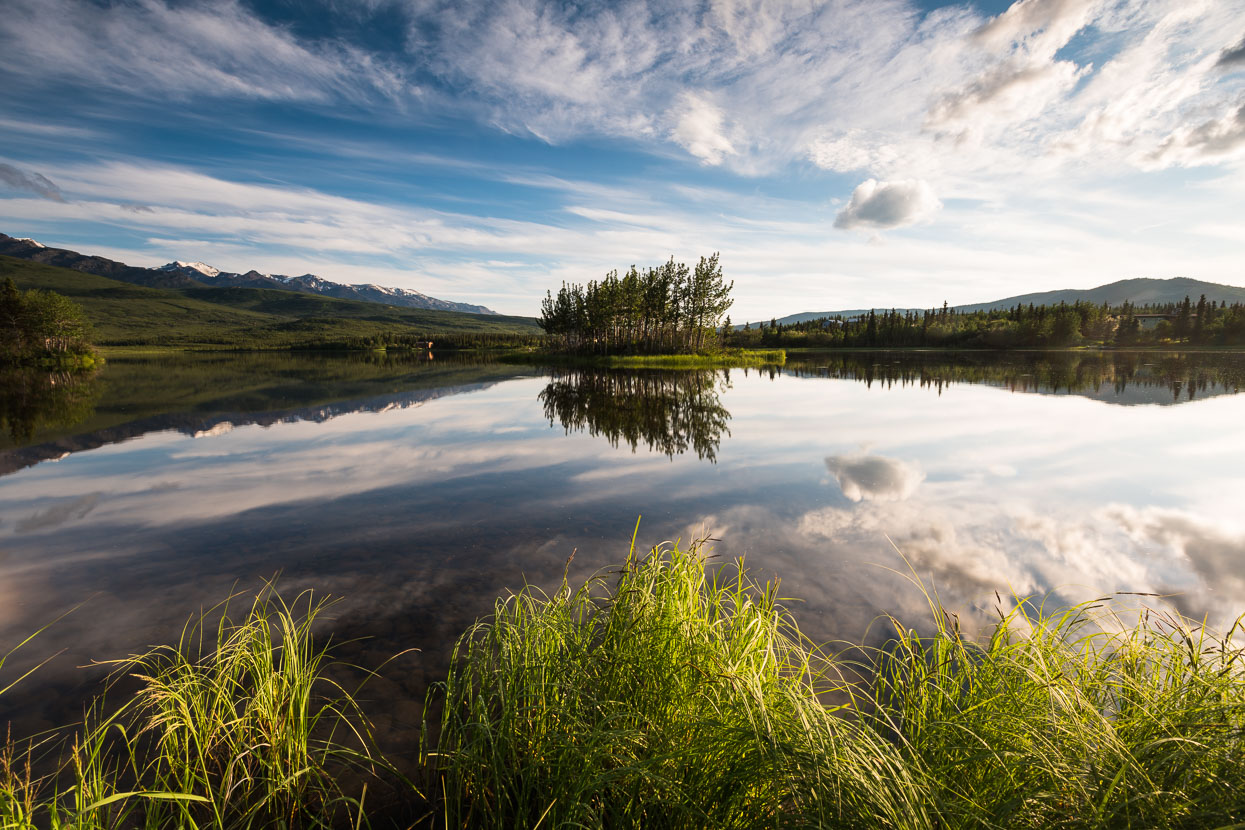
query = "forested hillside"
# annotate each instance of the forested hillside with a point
(1033, 326)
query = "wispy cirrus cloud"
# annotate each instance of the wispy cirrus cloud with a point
(35, 183)
(153, 48)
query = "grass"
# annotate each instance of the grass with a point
(236, 726)
(670, 694)
(678, 697)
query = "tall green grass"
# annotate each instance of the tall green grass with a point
(676, 696)
(672, 694)
(235, 726)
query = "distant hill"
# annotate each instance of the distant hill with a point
(123, 313)
(180, 274)
(1140, 291)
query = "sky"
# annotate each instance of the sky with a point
(841, 154)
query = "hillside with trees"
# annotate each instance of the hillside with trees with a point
(125, 314)
(1203, 323)
(667, 309)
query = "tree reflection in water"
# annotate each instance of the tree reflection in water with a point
(1152, 377)
(37, 399)
(669, 412)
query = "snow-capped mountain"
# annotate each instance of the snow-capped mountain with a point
(311, 284)
(203, 268)
(179, 274)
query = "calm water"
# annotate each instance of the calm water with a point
(419, 491)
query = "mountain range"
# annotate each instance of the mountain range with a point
(180, 274)
(1140, 291)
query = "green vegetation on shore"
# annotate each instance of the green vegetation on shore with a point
(40, 327)
(123, 314)
(672, 695)
(720, 359)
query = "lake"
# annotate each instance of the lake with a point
(419, 490)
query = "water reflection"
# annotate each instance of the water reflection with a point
(201, 395)
(35, 399)
(666, 412)
(323, 468)
(1113, 377)
(874, 477)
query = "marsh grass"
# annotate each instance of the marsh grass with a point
(672, 695)
(235, 726)
(1084, 717)
(672, 698)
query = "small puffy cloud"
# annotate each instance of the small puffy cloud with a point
(874, 477)
(1233, 57)
(883, 205)
(700, 129)
(32, 182)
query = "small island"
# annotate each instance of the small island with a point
(666, 316)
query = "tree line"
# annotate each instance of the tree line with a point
(666, 309)
(37, 325)
(1021, 326)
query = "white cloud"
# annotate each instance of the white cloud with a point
(1219, 138)
(874, 477)
(150, 47)
(882, 205)
(1232, 57)
(699, 129)
(1039, 27)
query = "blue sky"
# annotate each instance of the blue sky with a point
(838, 154)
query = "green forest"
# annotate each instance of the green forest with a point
(1022, 326)
(667, 309)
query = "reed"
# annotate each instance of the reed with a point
(235, 726)
(672, 694)
(676, 696)
(672, 698)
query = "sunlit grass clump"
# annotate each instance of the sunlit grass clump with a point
(236, 726)
(680, 697)
(676, 699)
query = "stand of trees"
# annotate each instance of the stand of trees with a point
(35, 325)
(1022, 326)
(667, 309)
